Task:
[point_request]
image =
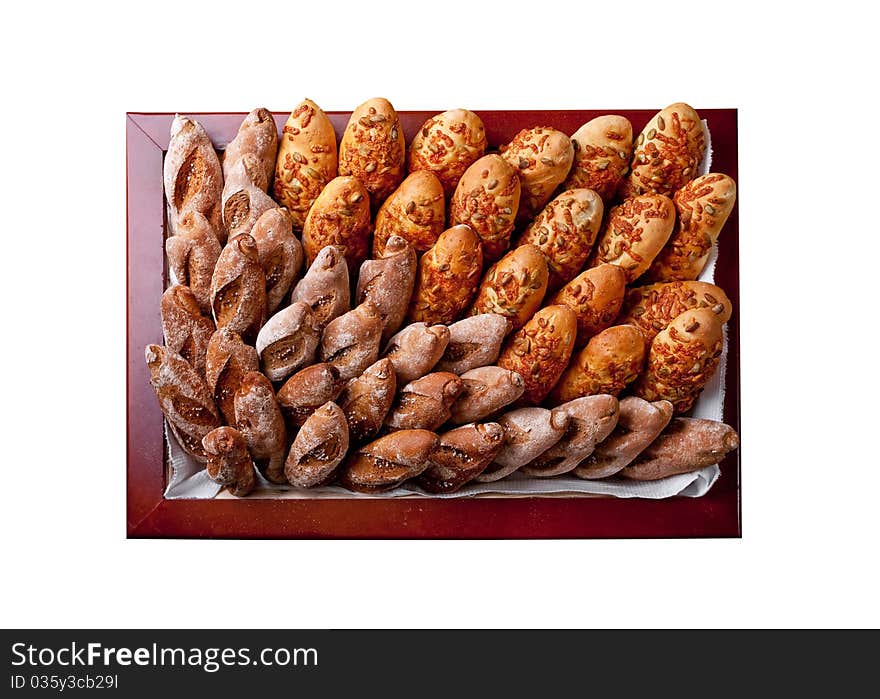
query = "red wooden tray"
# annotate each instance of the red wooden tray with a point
(717, 514)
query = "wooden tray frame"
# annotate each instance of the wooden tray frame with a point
(150, 515)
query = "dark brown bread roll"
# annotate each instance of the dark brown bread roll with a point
(238, 289)
(461, 455)
(280, 253)
(351, 341)
(474, 342)
(367, 399)
(485, 391)
(318, 449)
(258, 137)
(307, 390)
(325, 287)
(388, 283)
(229, 462)
(389, 461)
(186, 330)
(244, 196)
(260, 422)
(227, 361)
(192, 255)
(416, 349)
(424, 403)
(287, 342)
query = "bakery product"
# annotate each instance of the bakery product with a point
(229, 462)
(244, 196)
(324, 288)
(238, 289)
(415, 350)
(596, 297)
(228, 359)
(424, 403)
(280, 254)
(287, 342)
(351, 341)
(485, 391)
(260, 422)
(514, 286)
(388, 282)
(460, 455)
(307, 390)
(367, 399)
(446, 145)
(192, 255)
(389, 461)
(319, 447)
(186, 329)
(340, 216)
(258, 137)
(415, 211)
(602, 153)
(473, 342)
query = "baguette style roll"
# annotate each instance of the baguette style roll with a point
(474, 341)
(307, 390)
(186, 329)
(388, 283)
(258, 137)
(424, 404)
(227, 361)
(229, 462)
(415, 350)
(319, 447)
(384, 464)
(351, 341)
(192, 255)
(280, 254)
(287, 342)
(485, 391)
(325, 287)
(244, 196)
(367, 399)
(461, 455)
(260, 422)
(238, 289)
(447, 145)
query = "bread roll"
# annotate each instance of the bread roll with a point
(424, 403)
(244, 196)
(596, 297)
(415, 212)
(474, 341)
(703, 206)
(415, 350)
(638, 425)
(238, 289)
(340, 216)
(307, 160)
(186, 330)
(260, 422)
(184, 399)
(447, 278)
(287, 342)
(351, 341)
(565, 231)
(229, 462)
(325, 287)
(686, 445)
(446, 145)
(307, 390)
(280, 254)
(228, 360)
(514, 286)
(258, 137)
(485, 391)
(602, 153)
(388, 282)
(367, 399)
(319, 447)
(384, 464)
(462, 454)
(192, 176)
(192, 255)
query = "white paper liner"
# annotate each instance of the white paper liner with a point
(190, 480)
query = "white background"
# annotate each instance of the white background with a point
(804, 80)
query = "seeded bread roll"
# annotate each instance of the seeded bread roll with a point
(307, 160)
(564, 232)
(485, 391)
(372, 149)
(703, 206)
(683, 357)
(447, 278)
(542, 157)
(415, 350)
(325, 287)
(186, 330)
(319, 447)
(192, 255)
(384, 464)
(229, 462)
(592, 420)
(307, 390)
(424, 403)
(667, 152)
(238, 289)
(540, 350)
(244, 196)
(514, 286)
(634, 234)
(192, 175)
(486, 199)
(340, 216)
(638, 425)
(462, 454)
(686, 445)
(388, 282)
(528, 433)
(367, 399)
(474, 342)
(228, 360)
(280, 253)
(260, 422)
(446, 145)
(287, 342)
(602, 153)
(184, 399)
(652, 308)
(611, 360)
(596, 297)
(351, 341)
(415, 212)
(258, 137)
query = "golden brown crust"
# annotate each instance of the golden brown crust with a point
(228, 359)
(485, 391)
(325, 288)
(388, 282)
(192, 255)
(703, 206)
(667, 152)
(307, 390)
(474, 341)
(280, 254)
(415, 211)
(258, 137)
(448, 144)
(461, 454)
(565, 231)
(307, 160)
(682, 359)
(351, 341)
(602, 153)
(229, 462)
(652, 308)
(389, 461)
(447, 277)
(367, 399)
(634, 233)
(542, 156)
(287, 342)
(487, 199)
(514, 286)
(540, 350)
(610, 361)
(596, 297)
(238, 289)
(319, 447)
(244, 200)
(424, 403)
(373, 150)
(415, 350)
(186, 329)
(259, 419)
(184, 399)
(340, 216)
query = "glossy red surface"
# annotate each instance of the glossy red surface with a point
(717, 514)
